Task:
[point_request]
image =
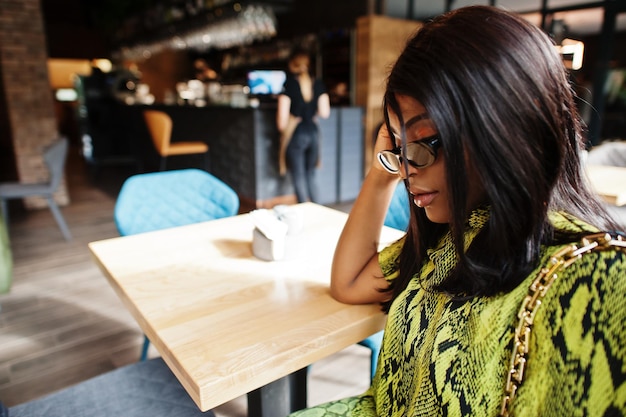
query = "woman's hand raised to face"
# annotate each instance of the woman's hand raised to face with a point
(356, 277)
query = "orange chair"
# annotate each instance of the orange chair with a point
(160, 127)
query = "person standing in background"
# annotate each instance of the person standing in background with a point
(303, 99)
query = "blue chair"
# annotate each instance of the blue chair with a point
(399, 212)
(161, 200)
(397, 217)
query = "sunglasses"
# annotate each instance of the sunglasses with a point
(420, 154)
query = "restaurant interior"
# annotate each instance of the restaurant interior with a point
(88, 71)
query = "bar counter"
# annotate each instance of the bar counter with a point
(243, 148)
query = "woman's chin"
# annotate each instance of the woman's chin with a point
(437, 215)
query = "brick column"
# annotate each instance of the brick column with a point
(28, 98)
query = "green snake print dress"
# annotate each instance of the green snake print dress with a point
(442, 357)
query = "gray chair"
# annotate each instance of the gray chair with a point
(141, 389)
(54, 157)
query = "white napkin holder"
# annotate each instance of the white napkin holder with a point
(269, 237)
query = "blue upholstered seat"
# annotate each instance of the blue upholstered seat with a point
(397, 217)
(398, 214)
(160, 200)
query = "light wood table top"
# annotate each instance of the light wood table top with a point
(226, 322)
(609, 182)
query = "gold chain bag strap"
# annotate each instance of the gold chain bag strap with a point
(537, 290)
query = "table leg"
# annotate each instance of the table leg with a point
(281, 397)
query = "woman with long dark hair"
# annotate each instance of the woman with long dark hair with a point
(503, 298)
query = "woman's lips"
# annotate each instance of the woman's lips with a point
(424, 199)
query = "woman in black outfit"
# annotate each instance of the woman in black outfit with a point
(302, 100)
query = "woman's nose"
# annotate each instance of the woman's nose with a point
(406, 170)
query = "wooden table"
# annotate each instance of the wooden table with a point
(609, 182)
(226, 322)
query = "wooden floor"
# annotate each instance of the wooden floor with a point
(62, 323)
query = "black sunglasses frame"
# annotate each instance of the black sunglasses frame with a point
(430, 144)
